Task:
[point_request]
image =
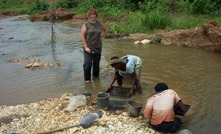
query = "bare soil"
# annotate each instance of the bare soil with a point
(6, 15)
(207, 36)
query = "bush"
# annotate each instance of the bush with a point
(67, 3)
(151, 5)
(202, 7)
(133, 24)
(10, 3)
(38, 6)
(157, 20)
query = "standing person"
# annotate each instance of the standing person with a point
(127, 65)
(160, 109)
(92, 43)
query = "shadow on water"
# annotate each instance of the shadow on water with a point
(194, 74)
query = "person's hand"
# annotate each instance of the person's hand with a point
(109, 88)
(139, 88)
(88, 50)
(131, 92)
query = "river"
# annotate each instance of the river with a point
(194, 74)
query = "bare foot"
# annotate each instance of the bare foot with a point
(87, 81)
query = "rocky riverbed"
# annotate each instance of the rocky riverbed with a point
(50, 114)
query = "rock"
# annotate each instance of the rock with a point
(145, 41)
(125, 113)
(103, 119)
(118, 112)
(43, 116)
(29, 65)
(137, 42)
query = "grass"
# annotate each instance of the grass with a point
(185, 22)
(14, 10)
(134, 23)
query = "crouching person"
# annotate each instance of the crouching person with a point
(160, 109)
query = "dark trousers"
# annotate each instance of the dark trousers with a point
(168, 126)
(91, 60)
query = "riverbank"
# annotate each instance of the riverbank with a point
(207, 36)
(49, 114)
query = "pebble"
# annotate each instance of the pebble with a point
(49, 114)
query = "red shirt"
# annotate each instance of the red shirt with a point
(160, 106)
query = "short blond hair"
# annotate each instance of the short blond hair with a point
(92, 11)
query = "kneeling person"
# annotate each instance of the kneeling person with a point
(160, 109)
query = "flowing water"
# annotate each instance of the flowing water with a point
(193, 73)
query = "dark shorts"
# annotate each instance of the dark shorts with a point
(168, 126)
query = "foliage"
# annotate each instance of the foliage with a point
(111, 13)
(202, 6)
(11, 3)
(151, 5)
(14, 6)
(67, 3)
(38, 6)
(185, 22)
(157, 20)
(133, 24)
(14, 10)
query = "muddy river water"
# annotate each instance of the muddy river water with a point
(193, 73)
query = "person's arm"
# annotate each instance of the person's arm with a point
(180, 108)
(133, 75)
(83, 34)
(135, 81)
(105, 31)
(148, 111)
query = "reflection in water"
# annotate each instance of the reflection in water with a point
(194, 74)
(52, 19)
(69, 72)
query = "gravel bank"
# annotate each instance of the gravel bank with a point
(50, 114)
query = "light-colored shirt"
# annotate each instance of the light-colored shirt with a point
(160, 107)
(133, 63)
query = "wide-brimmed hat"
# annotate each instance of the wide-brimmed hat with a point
(114, 61)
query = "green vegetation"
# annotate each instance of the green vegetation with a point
(38, 6)
(19, 6)
(130, 16)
